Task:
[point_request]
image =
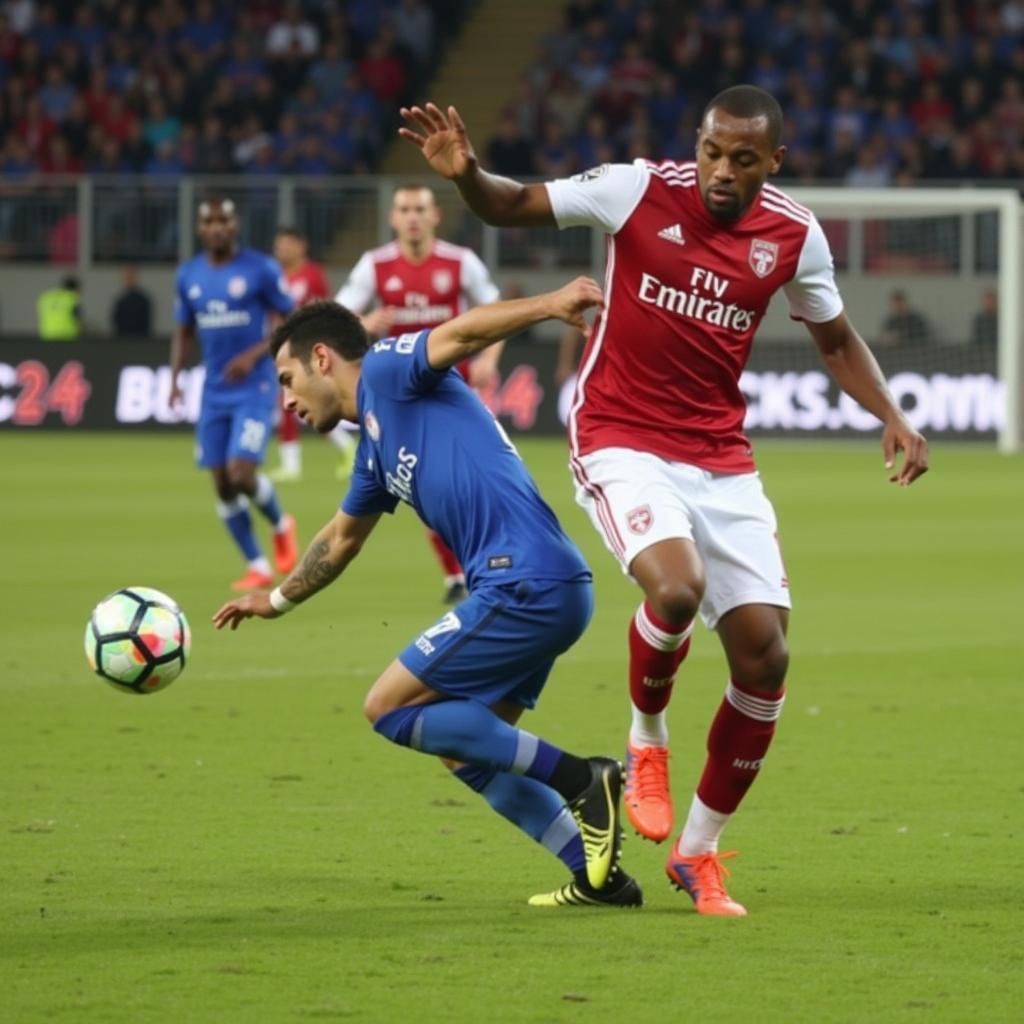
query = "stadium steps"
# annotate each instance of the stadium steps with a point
(479, 75)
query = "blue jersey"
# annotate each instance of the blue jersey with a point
(228, 305)
(429, 441)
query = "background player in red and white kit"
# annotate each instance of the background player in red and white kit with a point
(307, 282)
(695, 252)
(417, 282)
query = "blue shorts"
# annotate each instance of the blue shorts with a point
(226, 432)
(501, 642)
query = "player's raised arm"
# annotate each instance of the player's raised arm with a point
(443, 141)
(856, 371)
(325, 560)
(484, 325)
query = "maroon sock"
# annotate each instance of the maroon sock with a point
(656, 650)
(737, 743)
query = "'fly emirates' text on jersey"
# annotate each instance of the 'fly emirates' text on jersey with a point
(449, 281)
(684, 295)
(228, 305)
(428, 440)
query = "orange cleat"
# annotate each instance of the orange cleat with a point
(253, 580)
(703, 877)
(648, 801)
(286, 547)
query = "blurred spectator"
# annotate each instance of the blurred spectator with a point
(872, 169)
(61, 242)
(293, 34)
(985, 322)
(903, 325)
(131, 315)
(328, 74)
(555, 157)
(59, 313)
(509, 152)
(381, 69)
(414, 29)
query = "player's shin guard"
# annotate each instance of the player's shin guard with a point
(266, 501)
(656, 650)
(531, 806)
(235, 516)
(738, 741)
(449, 563)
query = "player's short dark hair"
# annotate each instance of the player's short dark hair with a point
(289, 232)
(324, 321)
(748, 101)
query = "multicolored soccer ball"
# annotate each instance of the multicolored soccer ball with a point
(138, 640)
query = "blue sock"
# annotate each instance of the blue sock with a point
(466, 730)
(235, 514)
(531, 806)
(266, 500)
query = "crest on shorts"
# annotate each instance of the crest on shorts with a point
(442, 280)
(372, 426)
(763, 257)
(639, 519)
(236, 287)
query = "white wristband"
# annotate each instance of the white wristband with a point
(279, 602)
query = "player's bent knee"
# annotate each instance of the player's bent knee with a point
(766, 670)
(675, 601)
(242, 478)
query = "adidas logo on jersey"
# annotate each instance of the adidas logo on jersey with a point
(673, 233)
(393, 283)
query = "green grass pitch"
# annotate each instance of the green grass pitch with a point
(242, 846)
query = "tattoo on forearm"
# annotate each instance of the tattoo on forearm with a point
(316, 570)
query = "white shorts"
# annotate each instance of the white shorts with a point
(636, 499)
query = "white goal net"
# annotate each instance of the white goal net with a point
(932, 279)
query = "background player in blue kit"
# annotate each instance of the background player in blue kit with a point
(457, 690)
(224, 296)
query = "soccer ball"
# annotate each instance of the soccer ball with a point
(138, 640)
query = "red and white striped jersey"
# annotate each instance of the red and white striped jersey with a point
(684, 295)
(306, 283)
(421, 295)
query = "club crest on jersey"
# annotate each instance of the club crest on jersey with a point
(236, 287)
(640, 519)
(372, 426)
(442, 280)
(763, 257)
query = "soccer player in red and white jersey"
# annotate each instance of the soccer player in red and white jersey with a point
(694, 253)
(417, 282)
(306, 282)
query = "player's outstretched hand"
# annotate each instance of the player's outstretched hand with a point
(571, 301)
(441, 138)
(256, 602)
(899, 436)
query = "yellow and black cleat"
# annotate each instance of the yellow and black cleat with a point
(620, 891)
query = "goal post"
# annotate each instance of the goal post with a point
(943, 249)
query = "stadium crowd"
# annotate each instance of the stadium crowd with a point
(179, 86)
(875, 93)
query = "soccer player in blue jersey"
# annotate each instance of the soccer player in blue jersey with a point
(459, 688)
(224, 297)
